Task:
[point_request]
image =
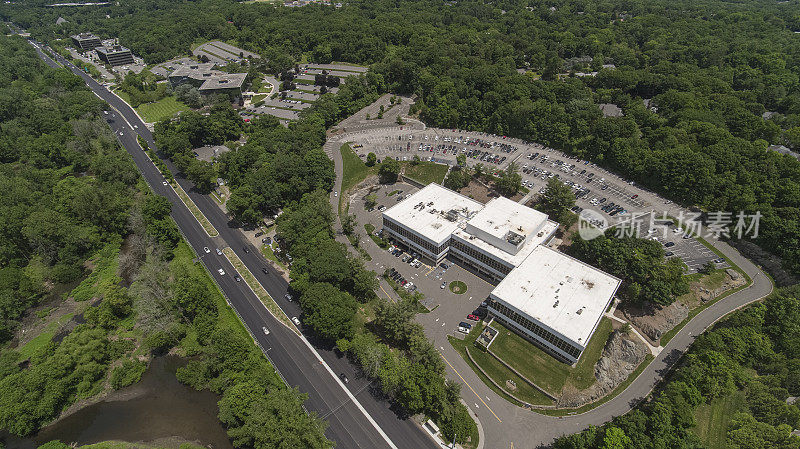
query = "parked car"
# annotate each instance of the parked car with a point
(344, 378)
(296, 321)
(237, 278)
(288, 297)
(219, 252)
(221, 272)
(265, 330)
(444, 284)
(669, 244)
(205, 248)
(473, 317)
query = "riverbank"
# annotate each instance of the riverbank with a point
(158, 410)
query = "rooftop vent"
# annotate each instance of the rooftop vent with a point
(452, 215)
(555, 304)
(579, 311)
(514, 238)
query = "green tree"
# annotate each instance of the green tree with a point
(557, 201)
(262, 420)
(509, 182)
(329, 311)
(389, 170)
(371, 159)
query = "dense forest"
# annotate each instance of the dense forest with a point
(704, 86)
(76, 212)
(751, 356)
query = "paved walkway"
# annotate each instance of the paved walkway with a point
(506, 425)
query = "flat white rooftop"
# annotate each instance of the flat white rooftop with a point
(560, 292)
(427, 212)
(501, 216)
(546, 230)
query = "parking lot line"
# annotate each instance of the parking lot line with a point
(469, 386)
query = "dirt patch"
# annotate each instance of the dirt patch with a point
(653, 321)
(478, 191)
(34, 323)
(622, 354)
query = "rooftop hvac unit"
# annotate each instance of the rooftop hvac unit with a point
(555, 304)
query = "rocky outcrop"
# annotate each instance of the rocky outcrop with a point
(621, 356)
(653, 320)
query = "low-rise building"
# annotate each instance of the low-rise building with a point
(115, 55)
(207, 79)
(554, 301)
(86, 41)
(426, 221)
(551, 299)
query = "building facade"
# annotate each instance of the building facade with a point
(86, 41)
(115, 55)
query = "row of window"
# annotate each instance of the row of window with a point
(536, 329)
(480, 257)
(422, 243)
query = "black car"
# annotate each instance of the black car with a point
(264, 270)
(669, 244)
(246, 249)
(237, 278)
(344, 378)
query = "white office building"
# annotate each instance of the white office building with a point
(499, 237)
(425, 221)
(554, 300)
(551, 299)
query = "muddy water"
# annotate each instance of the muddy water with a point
(157, 408)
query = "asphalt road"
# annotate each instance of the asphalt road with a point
(349, 426)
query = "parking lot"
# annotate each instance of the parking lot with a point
(596, 189)
(448, 308)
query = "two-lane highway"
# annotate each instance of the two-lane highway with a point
(367, 421)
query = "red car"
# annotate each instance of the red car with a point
(635, 196)
(473, 317)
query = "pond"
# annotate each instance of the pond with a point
(157, 408)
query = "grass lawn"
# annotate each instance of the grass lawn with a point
(257, 98)
(496, 371)
(43, 338)
(161, 109)
(355, 170)
(458, 287)
(425, 172)
(544, 370)
(713, 418)
(269, 254)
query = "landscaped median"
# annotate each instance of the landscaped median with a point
(207, 226)
(162, 168)
(258, 289)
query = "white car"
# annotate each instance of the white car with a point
(165, 183)
(205, 248)
(335, 193)
(221, 272)
(266, 331)
(219, 253)
(296, 321)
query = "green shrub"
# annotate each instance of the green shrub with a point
(128, 373)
